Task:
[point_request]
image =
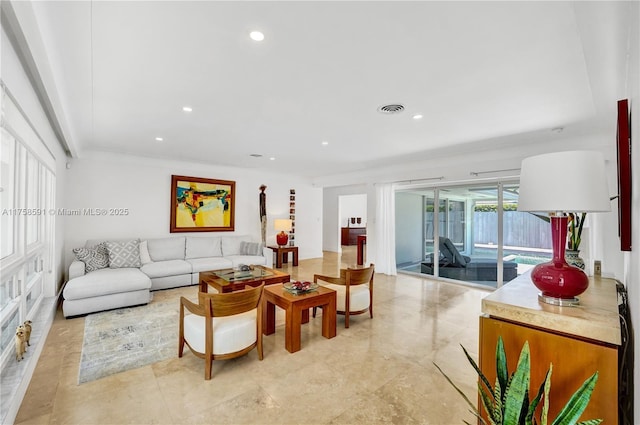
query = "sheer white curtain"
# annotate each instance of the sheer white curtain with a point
(385, 229)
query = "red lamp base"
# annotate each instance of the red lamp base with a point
(282, 238)
(559, 282)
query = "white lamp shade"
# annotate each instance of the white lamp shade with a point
(573, 181)
(282, 224)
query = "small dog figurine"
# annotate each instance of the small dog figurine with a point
(27, 332)
(20, 343)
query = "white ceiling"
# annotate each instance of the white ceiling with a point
(476, 71)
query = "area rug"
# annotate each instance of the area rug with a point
(128, 338)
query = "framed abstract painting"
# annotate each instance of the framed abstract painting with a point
(202, 205)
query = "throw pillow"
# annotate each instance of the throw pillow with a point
(145, 258)
(124, 254)
(251, 248)
(93, 258)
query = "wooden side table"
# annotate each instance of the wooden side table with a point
(578, 341)
(296, 308)
(282, 254)
(362, 241)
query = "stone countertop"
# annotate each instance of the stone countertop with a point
(596, 318)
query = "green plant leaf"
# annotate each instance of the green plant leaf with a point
(478, 371)
(502, 371)
(489, 407)
(517, 388)
(542, 217)
(498, 407)
(529, 419)
(579, 236)
(472, 405)
(590, 422)
(525, 407)
(547, 389)
(571, 412)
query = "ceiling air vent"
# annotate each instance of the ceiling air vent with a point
(256, 155)
(393, 108)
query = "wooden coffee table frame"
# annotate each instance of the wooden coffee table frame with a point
(210, 278)
(297, 308)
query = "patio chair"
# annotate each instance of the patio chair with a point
(454, 265)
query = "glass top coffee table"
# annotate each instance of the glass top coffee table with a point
(229, 280)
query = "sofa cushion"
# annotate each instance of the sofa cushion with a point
(207, 264)
(106, 281)
(257, 260)
(251, 248)
(231, 244)
(145, 258)
(93, 258)
(166, 268)
(166, 248)
(124, 254)
(202, 248)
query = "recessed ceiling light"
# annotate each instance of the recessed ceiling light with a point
(187, 108)
(417, 117)
(256, 35)
(273, 158)
(159, 139)
(325, 143)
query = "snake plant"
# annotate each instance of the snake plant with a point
(575, 224)
(507, 402)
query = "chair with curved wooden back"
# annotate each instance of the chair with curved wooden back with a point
(222, 326)
(354, 290)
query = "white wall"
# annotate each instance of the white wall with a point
(353, 206)
(142, 185)
(409, 219)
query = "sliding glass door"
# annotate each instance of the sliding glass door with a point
(476, 233)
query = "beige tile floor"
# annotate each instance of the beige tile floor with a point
(379, 370)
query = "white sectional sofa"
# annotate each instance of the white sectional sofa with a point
(160, 264)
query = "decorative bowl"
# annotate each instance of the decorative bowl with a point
(300, 287)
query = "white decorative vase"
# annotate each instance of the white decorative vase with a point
(572, 258)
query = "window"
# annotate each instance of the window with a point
(7, 183)
(27, 226)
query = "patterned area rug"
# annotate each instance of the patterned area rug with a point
(128, 338)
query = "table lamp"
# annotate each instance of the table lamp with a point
(559, 183)
(283, 225)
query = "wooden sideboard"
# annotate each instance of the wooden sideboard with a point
(350, 235)
(578, 341)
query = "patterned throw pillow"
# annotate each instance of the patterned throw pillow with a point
(250, 248)
(93, 258)
(124, 254)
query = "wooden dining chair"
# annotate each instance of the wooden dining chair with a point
(221, 326)
(354, 290)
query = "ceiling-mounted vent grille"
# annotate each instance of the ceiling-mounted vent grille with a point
(393, 108)
(256, 155)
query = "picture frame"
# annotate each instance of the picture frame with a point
(202, 205)
(625, 194)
